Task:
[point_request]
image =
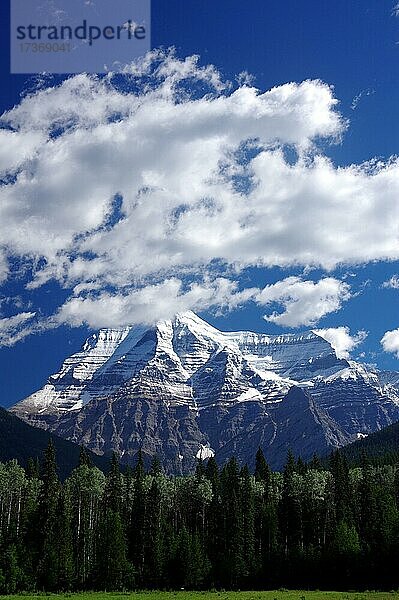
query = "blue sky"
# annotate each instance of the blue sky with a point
(353, 47)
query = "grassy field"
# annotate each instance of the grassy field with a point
(271, 595)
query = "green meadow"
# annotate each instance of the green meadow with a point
(186, 595)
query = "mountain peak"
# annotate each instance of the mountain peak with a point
(114, 356)
(181, 385)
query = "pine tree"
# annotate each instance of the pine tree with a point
(247, 506)
(114, 572)
(156, 467)
(139, 471)
(33, 468)
(262, 469)
(189, 565)
(128, 495)
(233, 567)
(214, 524)
(114, 488)
(65, 575)
(30, 545)
(154, 550)
(200, 468)
(84, 458)
(315, 463)
(291, 509)
(301, 467)
(396, 486)
(340, 471)
(48, 515)
(369, 514)
(136, 530)
(212, 472)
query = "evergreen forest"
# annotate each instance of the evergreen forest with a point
(311, 526)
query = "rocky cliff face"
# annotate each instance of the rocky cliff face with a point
(183, 390)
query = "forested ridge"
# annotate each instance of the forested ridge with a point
(307, 527)
(21, 441)
(381, 446)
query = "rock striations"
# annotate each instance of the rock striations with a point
(184, 390)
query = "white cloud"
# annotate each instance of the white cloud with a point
(392, 283)
(390, 342)
(176, 160)
(341, 339)
(150, 303)
(17, 147)
(303, 302)
(13, 329)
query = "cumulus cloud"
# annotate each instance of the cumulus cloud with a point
(205, 188)
(17, 147)
(163, 155)
(390, 342)
(392, 283)
(303, 302)
(341, 339)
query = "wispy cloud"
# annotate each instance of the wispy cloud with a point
(359, 96)
(392, 283)
(15, 328)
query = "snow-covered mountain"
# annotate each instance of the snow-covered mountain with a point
(183, 389)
